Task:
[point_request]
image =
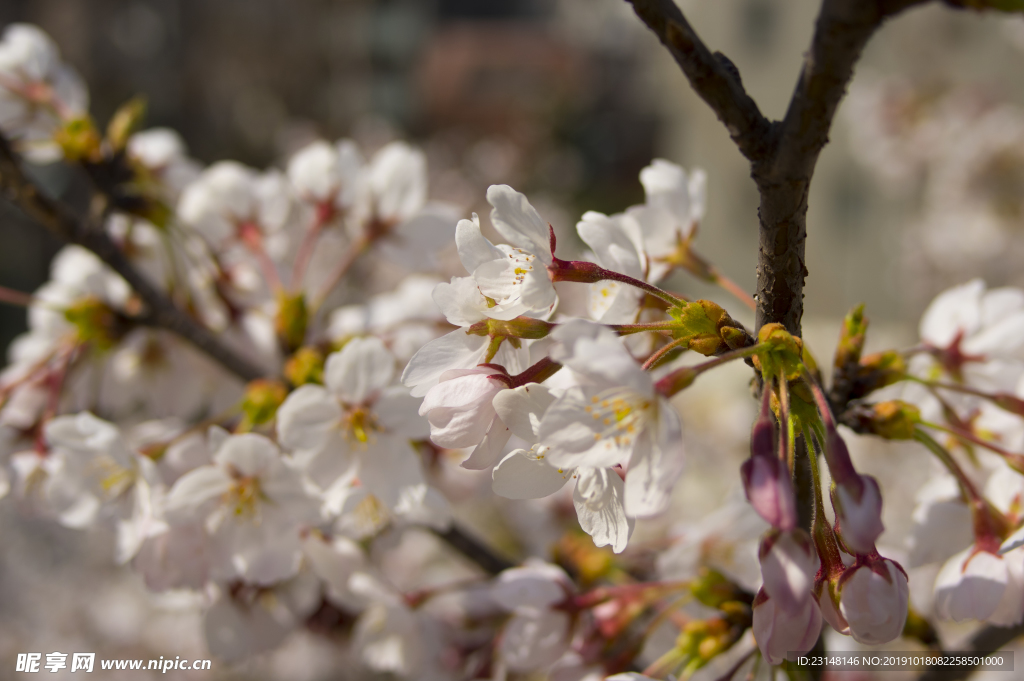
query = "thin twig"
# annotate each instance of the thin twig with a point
(472, 548)
(160, 311)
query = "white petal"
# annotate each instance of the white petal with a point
(522, 409)
(359, 370)
(398, 178)
(456, 350)
(306, 416)
(474, 248)
(598, 499)
(521, 475)
(517, 221)
(655, 466)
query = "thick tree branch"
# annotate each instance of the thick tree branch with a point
(160, 310)
(842, 29)
(712, 76)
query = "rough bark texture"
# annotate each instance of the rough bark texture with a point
(782, 154)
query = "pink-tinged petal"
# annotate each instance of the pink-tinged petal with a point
(781, 635)
(455, 350)
(518, 222)
(306, 417)
(522, 409)
(359, 370)
(788, 565)
(874, 601)
(598, 499)
(655, 466)
(522, 475)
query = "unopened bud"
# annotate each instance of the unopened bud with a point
(769, 489)
(79, 140)
(305, 366)
(788, 565)
(873, 599)
(714, 589)
(261, 400)
(851, 339)
(95, 322)
(858, 508)
(879, 370)
(892, 420)
(782, 635)
(292, 318)
(125, 121)
(782, 353)
(702, 324)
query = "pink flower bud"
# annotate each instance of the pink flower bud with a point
(873, 600)
(858, 506)
(769, 490)
(780, 634)
(788, 564)
(828, 602)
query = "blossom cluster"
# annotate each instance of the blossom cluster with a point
(322, 489)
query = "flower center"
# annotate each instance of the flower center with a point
(360, 424)
(244, 495)
(622, 412)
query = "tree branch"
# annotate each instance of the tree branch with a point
(161, 312)
(712, 76)
(842, 29)
(473, 549)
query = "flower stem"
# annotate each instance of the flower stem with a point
(661, 352)
(629, 329)
(324, 213)
(590, 273)
(12, 297)
(682, 377)
(355, 249)
(1014, 460)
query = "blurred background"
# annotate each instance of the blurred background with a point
(921, 187)
(565, 100)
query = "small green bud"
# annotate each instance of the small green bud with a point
(125, 121)
(95, 322)
(305, 366)
(713, 589)
(292, 318)
(261, 401)
(782, 353)
(879, 370)
(892, 420)
(703, 324)
(851, 339)
(80, 140)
